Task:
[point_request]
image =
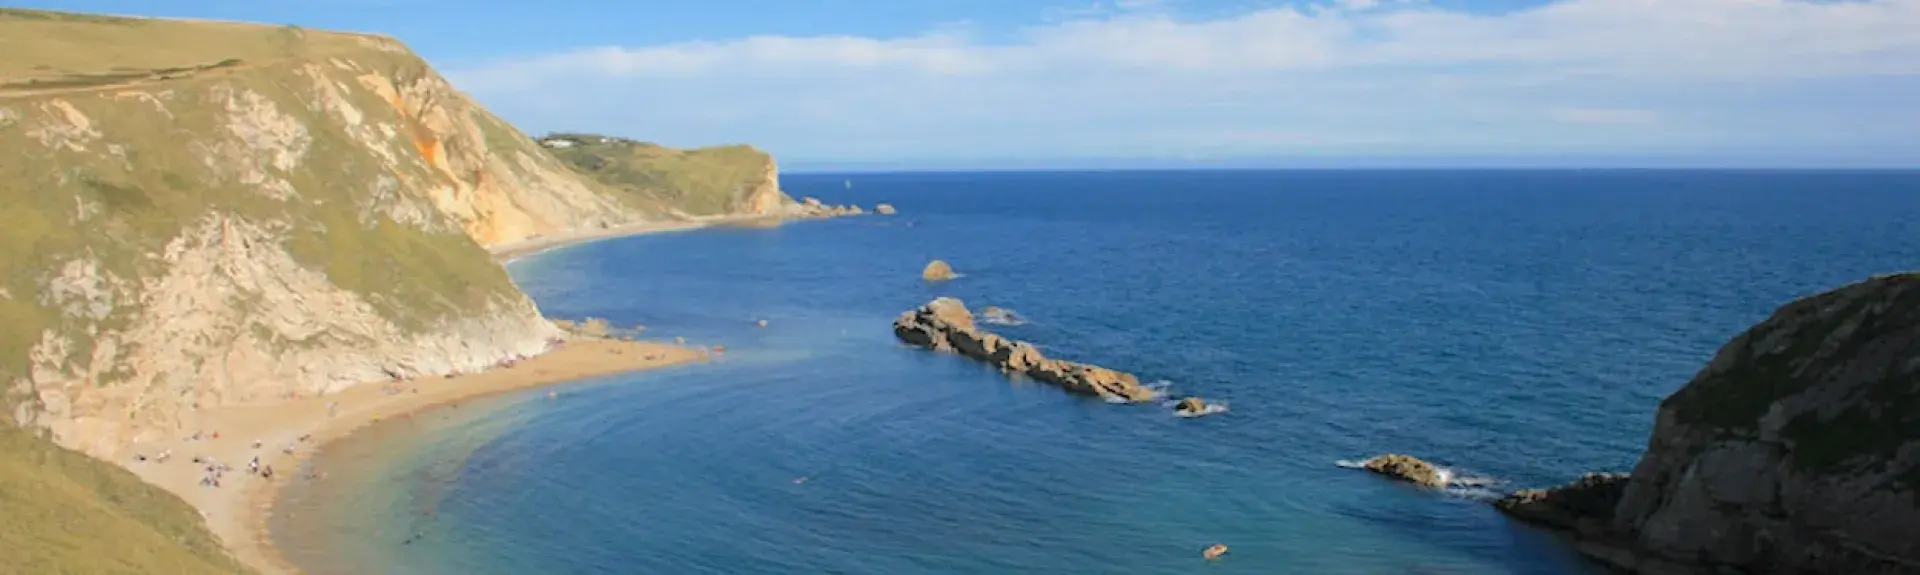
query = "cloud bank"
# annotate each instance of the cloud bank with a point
(1377, 78)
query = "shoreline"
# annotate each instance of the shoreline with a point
(291, 431)
(512, 251)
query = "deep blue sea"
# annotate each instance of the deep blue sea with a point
(1518, 326)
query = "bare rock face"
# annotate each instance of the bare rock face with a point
(1406, 468)
(945, 324)
(1584, 506)
(1796, 450)
(937, 270)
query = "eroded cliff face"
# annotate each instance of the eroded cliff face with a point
(201, 214)
(1796, 450)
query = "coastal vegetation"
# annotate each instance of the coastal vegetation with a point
(69, 513)
(701, 181)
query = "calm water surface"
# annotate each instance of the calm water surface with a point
(1515, 326)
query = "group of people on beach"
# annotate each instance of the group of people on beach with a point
(216, 471)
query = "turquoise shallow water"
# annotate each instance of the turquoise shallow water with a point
(1516, 326)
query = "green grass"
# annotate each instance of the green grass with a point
(68, 513)
(161, 184)
(701, 181)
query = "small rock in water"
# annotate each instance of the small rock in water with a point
(1192, 407)
(1214, 552)
(883, 209)
(937, 270)
(1406, 468)
(763, 323)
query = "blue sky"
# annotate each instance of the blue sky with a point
(1167, 83)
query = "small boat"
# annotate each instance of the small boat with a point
(849, 184)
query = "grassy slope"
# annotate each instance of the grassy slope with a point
(68, 513)
(61, 512)
(701, 181)
(412, 276)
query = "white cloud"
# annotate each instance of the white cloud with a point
(1606, 116)
(1341, 75)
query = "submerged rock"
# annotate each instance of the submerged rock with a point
(1406, 468)
(1795, 450)
(937, 270)
(946, 324)
(1001, 316)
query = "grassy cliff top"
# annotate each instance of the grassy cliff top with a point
(62, 50)
(68, 513)
(700, 181)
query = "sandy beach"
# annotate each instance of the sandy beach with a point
(515, 250)
(288, 431)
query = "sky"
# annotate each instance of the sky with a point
(1169, 83)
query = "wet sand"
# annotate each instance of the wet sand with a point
(238, 510)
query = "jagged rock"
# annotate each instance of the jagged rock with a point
(1584, 506)
(937, 270)
(1406, 468)
(883, 209)
(1795, 450)
(945, 324)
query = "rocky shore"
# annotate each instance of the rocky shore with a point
(1796, 450)
(945, 324)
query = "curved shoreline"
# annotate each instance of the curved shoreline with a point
(239, 511)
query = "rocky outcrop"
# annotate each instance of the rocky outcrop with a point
(945, 324)
(813, 208)
(1406, 468)
(1795, 450)
(1584, 506)
(262, 212)
(937, 271)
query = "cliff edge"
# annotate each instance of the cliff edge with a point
(1796, 450)
(206, 213)
(713, 181)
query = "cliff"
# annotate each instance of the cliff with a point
(1796, 450)
(721, 180)
(204, 213)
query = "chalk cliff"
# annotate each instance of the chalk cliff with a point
(1796, 450)
(204, 213)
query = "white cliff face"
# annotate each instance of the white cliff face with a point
(288, 227)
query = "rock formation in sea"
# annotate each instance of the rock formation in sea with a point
(937, 270)
(945, 324)
(883, 209)
(1190, 406)
(1406, 468)
(1795, 450)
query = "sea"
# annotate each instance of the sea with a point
(1517, 327)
